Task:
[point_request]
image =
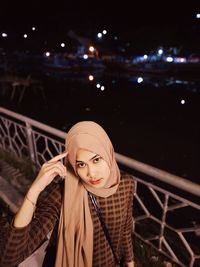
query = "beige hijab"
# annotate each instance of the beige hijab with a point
(75, 234)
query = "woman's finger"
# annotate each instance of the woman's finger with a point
(57, 165)
(51, 173)
(58, 157)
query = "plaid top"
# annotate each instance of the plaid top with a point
(117, 214)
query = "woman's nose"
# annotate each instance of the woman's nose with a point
(91, 172)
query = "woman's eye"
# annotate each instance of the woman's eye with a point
(80, 165)
(97, 159)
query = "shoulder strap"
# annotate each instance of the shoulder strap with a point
(103, 225)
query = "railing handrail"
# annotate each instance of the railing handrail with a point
(166, 177)
(161, 175)
(34, 123)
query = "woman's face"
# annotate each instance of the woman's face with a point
(92, 169)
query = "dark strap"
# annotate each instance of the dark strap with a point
(104, 226)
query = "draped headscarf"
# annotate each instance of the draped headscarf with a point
(75, 233)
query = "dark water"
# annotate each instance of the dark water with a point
(145, 121)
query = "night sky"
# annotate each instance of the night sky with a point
(124, 15)
(145, 23)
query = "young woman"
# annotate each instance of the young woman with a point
(90, 174)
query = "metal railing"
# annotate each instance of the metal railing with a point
(166, 220)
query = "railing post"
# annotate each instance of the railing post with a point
(9, 136)
(30, 142)
(163, 222)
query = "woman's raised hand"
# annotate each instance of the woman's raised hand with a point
(48, 172)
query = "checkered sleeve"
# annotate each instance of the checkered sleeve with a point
(21, 242)
(127, 246)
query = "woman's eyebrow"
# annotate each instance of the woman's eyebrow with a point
(78, 161)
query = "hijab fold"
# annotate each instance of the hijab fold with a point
(75, 232)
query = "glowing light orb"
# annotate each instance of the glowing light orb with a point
(91, 77)
(4, 34)
(139, 79)
(169, 59)
(47, 54)
(99, 35)
(85, 56)
(98, 85)
(91, 49)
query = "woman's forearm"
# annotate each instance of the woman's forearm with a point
(26, 211)
(47, 173)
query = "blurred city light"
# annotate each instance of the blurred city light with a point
(47, 54)
(4, 34)
(98, 85)
(198, 15)
(99, 35)
(169, 59)
(180, 60)
(85, 56)
(139, 79)
(91, 77)
(91, 49)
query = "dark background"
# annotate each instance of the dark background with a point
(145, 24)
(126, 16)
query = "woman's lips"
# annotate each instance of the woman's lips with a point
(96, 181)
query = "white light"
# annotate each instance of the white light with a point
(139, 79)
(198, 15)
(98, 85)
(116, 38)
(85, 56)
(145, 56)
(91, 77)
(182, 101)
(4, 34)
(91, 48)
(160, 51)
(25, 35)
(99, 35)
(62, 44)
(102, 88)
(33, 28)
(47, 54)
(180, 59)
(104, 31)
(169, 59)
